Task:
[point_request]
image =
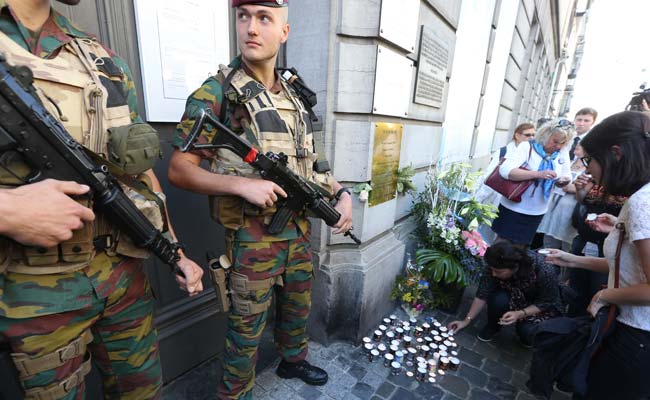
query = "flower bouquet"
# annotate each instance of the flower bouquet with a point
(450, 249)
(412, 290)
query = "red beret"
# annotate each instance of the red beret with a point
(267, 3)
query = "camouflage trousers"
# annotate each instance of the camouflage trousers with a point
(124, 345)
(290, 259)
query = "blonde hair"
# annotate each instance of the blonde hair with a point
(550, 128)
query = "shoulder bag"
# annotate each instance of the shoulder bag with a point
(511, 190)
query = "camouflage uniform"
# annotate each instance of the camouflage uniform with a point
(283, 260)
(103, 310)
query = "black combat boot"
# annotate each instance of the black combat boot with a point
(303, 370)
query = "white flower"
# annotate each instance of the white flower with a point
(363, 196)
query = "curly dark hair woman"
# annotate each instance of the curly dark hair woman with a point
(518, 288)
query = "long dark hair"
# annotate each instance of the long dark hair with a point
(630, 130)
(505, 255)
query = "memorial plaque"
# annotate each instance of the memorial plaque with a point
(432, 70)
(398, 22)
(385, 162)
(393, 80)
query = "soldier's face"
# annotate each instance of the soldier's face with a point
(69, 2)
(260, 32)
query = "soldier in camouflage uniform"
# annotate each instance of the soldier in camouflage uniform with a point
(250, 96)
(69, 295)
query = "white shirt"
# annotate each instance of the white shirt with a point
(635, 214)
(532, 201)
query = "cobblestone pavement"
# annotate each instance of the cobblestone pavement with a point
(496, 370)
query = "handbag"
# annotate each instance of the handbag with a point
(511, 190)
(565, 346)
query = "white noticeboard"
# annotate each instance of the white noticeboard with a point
(181, 43)
(399, 22)
(392, 83)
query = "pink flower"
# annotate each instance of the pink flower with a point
(419, 307)
(474, 242)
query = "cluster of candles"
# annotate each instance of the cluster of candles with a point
(423, 352)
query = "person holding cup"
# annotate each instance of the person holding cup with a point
(617, 158)
(548, 166)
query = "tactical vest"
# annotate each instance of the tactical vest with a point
(82, 88)
(275, 122)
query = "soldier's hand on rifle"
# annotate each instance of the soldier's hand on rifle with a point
(260, 192)
(344, 207)
(43, 214)
(191, 283)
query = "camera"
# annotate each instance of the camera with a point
(637, 98)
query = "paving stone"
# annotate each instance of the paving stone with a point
(486, 350)
(473, 375)
(456, 385)
(268, 380)
(497, 370)
(479, 394)
(403, 394)
(471, 357)
(377, 398)
(525, 396)
(379, 369)
(401, 380)
(343, 362)
(517, 362)
(465, 339)
(328, 354)
(347, 380)
(501, 389)
(259, 392)
(386, 389)
(373, 379)
(358, 371)
(519, 380)
(335, 390)
(308, 392)
(333, 371)
(557, 395)
(449, 396)
(281, 392)
(350, 396)
(363, 390)
(428, 391)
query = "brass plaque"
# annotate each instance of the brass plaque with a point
(385, 162)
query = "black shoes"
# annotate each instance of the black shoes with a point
(303, 370)
(486, 334)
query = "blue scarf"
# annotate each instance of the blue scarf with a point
(546, 164)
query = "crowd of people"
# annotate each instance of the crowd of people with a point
(590, 199)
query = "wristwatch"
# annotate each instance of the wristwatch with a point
(341, 191)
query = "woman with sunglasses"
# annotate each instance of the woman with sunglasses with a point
(547, 162)
(617, 158)
(523, 133)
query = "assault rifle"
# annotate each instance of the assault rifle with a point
(28, 129)
(301, 194)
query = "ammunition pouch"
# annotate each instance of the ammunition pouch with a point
(241, 288)
(71, 255)
(135, 147)
(219, 270)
